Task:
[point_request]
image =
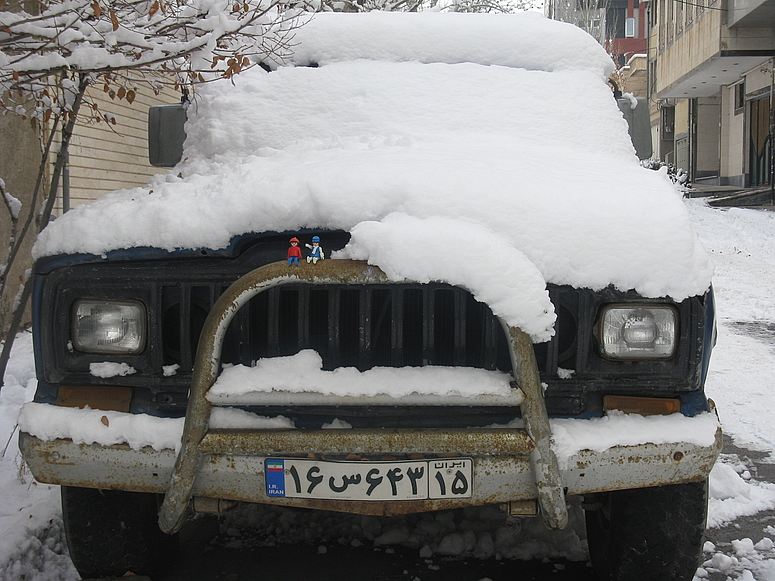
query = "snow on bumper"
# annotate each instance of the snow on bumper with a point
(234, 463)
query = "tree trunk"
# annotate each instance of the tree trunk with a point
(45, 216)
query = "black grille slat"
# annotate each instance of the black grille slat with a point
(397, 327)
(428, 328)
(185, 327)
(365, 353)
(333, 324)
(273, 323)
(460, 326)
(303, 318)
(490, 357)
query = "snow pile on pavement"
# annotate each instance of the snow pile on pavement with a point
(31, 540)
(734, 494)
(447, 145)
(741, 243)
(753, 561)
(483, 533)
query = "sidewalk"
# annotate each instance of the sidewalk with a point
(760, 197)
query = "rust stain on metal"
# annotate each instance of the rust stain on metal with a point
(443, 443)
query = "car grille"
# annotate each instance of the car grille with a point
(360, 326)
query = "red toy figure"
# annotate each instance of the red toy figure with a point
(294, 252)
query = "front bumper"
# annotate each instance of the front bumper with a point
(509, 465)
(233, 464)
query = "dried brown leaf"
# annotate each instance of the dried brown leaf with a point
(121, 92)
(130, 96)
(114, 20)
(95, 6)
(112, 94)
(154, 8)
(105, 421)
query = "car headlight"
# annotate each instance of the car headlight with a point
(101, 326)
(638, 331)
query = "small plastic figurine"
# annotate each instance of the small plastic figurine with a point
(316, 252)
(294, 252)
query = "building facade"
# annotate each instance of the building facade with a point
(711, 85)
(707, 68)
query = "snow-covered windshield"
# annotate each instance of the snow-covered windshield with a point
(481, 150)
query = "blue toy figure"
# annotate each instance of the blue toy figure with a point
(294, 252)
(316, 251)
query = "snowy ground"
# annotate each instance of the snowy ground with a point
(742, 243)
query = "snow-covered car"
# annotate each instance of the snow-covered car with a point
(416, 267)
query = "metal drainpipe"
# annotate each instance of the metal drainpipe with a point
(66, 183)
(772, 149)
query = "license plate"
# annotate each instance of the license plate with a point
(405, 480)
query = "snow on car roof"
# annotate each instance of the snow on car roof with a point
(494, 172)
(510, 40)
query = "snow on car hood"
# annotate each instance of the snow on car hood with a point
(496, 160)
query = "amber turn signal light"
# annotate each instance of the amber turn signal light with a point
(645, 406)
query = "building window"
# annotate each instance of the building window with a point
(667, 114)
(739, 98)
(629, 28)
(652, 81)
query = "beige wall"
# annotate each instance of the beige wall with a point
(708, 136)
(747, 38)
(19, 165)
(732, 135)
(758, 79)
(681, 116)
(697, 43)
(106, 157)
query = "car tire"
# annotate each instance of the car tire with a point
(112, 532)
(647, 534)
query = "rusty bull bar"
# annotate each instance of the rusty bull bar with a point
(196, 444)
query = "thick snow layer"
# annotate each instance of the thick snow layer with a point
(535, 165)
(618, 429)
(450, 38)
(87, 426)
(304, 372)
